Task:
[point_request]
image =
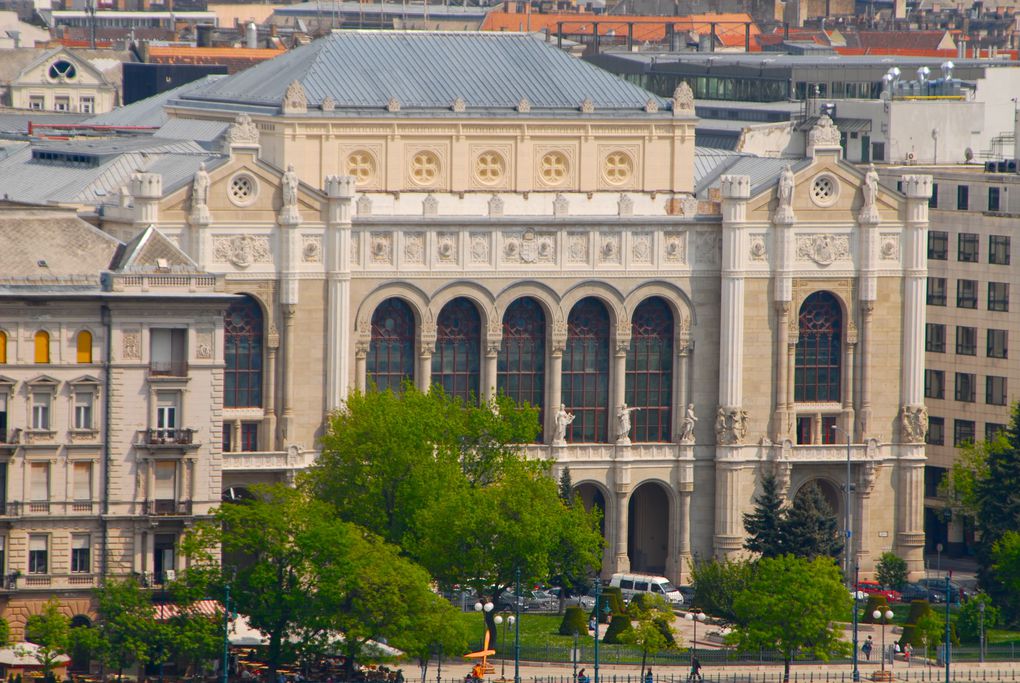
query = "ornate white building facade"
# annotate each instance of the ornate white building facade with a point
(507, 219)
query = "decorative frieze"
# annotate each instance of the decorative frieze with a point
(823, 249)
(242, 251)
(529, 246)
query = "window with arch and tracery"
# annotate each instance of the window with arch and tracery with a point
(819, 359)
(649, 382)
(242, 353)
(390, 360)
(42, 347)
(520, 365)
(457, 360)
(83, 347)
(586, 372)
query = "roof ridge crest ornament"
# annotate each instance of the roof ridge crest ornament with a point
(393, 105)
(458, 105)
(587, 106)
(524, 105)
(294, 100)
(651, 106)
(683, 99)
(242, 132)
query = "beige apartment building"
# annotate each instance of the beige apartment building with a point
(111, 382)
(485, 213)
(970, 381)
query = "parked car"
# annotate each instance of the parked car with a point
(875, 588)
(688, 594)
(957, 593)
(542, 600)
(917, 591)
(631, 585)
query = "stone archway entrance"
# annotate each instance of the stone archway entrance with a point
(648, 532)
(832, 495)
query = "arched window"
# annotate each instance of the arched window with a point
(42, 347)
(819, 360)
(242, 353)
(390, 360)
(650, 371)
(455, 364)
(521, 362)
(3, 347)
(84, 346)
(586, 372)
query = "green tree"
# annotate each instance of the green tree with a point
(567, 492)
(969, 619)
(1005, 568)
(891, 571)
(792, 604)
(124, 626)
(386, 457)
(650, 629)
(717, 583)
(765, 526)
(5, 632)
(810, 529)
(50, 632)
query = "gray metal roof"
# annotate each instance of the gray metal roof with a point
(148, 112)
(363, 70)
(325, 9)
(711, 164)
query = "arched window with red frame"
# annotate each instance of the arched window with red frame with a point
(586, 372)
(649, 384)
(819, 359)
(457, 360)
(520, 365)
(390, 360)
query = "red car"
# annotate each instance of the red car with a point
(875, 588)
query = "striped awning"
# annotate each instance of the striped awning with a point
(207, 608)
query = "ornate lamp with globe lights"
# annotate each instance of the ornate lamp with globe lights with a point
(695, 617)
(884, 616)
(507, 623)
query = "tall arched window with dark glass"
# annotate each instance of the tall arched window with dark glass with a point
(586, 372)
(456, 362)
(390, 360)
(650, 371)
(520, 366)
(819, 360)
(242, 353)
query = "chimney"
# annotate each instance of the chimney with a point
(251, 34)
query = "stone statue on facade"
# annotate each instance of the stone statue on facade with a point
(242, 131)
(824, 134)
(200, 193)
(784, 195)
(870, 192)
(687, 425)
(914, 423)
(289, 187)
(623, 424)
(730, 426)
(563, 420)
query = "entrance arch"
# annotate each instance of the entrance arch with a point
(830, 492)
(648, 528)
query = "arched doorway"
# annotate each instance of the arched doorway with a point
(592, 496)
(81, 654)
(830, 492)
(648, 529)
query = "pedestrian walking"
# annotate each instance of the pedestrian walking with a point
(908, 650)
(695, 674)
(868, 646)
(582, 677)
(649, 678)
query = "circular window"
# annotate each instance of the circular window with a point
(554, 168)
(361, 165)
(242, 189)
(619, 168)
(490, 168)
(62, 70)
(425, 168)
(824, 190)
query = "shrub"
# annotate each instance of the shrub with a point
(617, 627)
(575, 621)
(613, 597)
(874, 602)
(892, 571)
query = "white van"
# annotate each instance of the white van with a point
(634, 584)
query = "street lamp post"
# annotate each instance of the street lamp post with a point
(598, 606)
(517, 625)
(226, 635)
(885, 617)
(694, 617)
(848, 499)
(858, 596)
(511, 619)
(981, 631)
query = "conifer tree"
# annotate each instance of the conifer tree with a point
(810, 529)
(764, 526)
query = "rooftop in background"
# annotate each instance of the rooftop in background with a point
(365, 72)
(349, 8)
(234, 58)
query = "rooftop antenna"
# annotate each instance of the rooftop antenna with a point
(947, 70)
(90, 9)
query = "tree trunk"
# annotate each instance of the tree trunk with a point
(786, 669)
(644, 660)
(275, 639)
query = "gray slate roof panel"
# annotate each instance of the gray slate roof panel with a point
(365, 69)
(148, 112)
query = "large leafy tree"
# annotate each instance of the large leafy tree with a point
(125, 624)
(1006, 566)
(651, 626)
(810, 529)
(385, 456)
(765, 525)
(717, 583)
(50, 632)
(891, 570)
(793, 604)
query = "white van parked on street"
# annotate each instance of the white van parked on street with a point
(634, 584)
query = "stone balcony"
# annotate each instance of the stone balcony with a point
(268, 461)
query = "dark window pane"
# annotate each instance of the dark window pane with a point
(457, 361)
(649, 379)
(819, 356)
(390, 360)
(586, 372)
(242, 354)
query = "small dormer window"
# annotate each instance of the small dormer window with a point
(63, 70)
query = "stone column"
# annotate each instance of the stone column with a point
(622, 562)
(680, 524)
(868, 219)
(781, 423)
(783, 221)
(680, 397)
(848, 388)
(288, 221)
(729, 530)
(735, 192)
(289, 350)
(619, 384)
(555, 384)
(339, 327)
(361, 366)
(490, 376)
(913, 414)
(864, 425)
(269, 412)
(425, 369)
(684, 554)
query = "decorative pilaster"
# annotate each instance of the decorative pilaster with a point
(781, 417)
(917, 188)
(339, 195)
(146, 190)
(864, 413)
(729, 531)
(269, 413)
(619, 390)
(680, 396)
(361, 366)
(290, 345)
(555, 388)
(621, 478)
(489, 377)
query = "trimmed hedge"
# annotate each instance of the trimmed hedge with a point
(617, 627)
(613, 597)
(874, 602)
(575, 621)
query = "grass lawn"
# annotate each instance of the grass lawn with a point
(997, 636)
(537, 631)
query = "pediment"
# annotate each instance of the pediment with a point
(85, 380)
(39, 71)
(7, 381)
(43, 381)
